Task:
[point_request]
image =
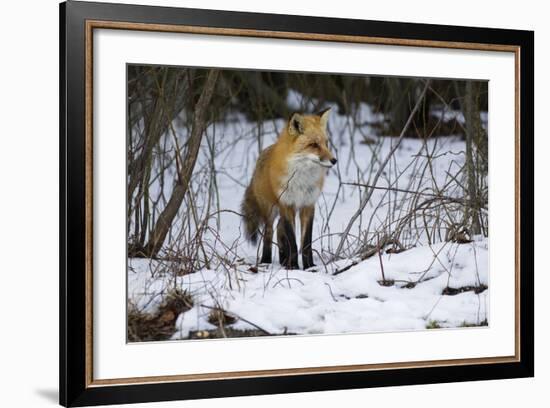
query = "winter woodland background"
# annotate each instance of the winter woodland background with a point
(401, 228)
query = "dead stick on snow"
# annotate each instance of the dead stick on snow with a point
(235, 315)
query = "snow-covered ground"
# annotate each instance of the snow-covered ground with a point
(281, 301)
(304, 302)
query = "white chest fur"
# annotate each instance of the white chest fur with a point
(301, 187)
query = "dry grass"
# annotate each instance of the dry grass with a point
(162, 324)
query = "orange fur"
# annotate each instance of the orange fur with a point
(289, 175)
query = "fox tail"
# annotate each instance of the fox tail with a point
(251, 215)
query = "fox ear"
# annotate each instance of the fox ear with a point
(324, 115)
(296, 124)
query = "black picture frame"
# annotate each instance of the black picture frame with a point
(75, 388)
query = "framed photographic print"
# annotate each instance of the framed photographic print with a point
(255, 203)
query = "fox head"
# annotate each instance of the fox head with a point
(308, 134)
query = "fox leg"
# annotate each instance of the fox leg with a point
(286, 239)
(267, 242)
(306, 227)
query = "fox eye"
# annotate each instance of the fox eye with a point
(314, 145)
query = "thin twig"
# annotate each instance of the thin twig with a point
(367, 196)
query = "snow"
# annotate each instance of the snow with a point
(283, 301)
(293, 301)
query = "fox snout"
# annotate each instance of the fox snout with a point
(327, 159)
(328, 162)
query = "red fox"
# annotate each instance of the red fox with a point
(288, 178)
